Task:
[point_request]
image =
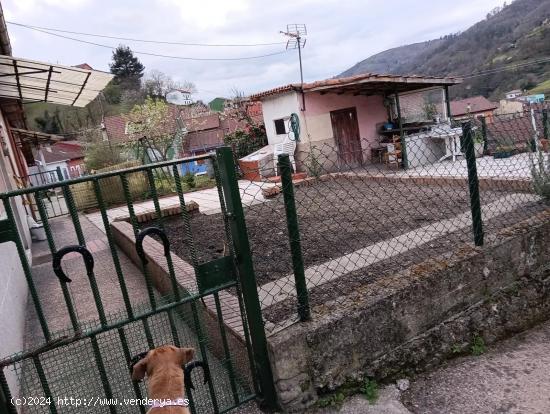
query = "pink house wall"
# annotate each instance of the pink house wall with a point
(370, 111)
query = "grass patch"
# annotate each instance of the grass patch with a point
(543, 87)
(370, 390)
(478, 346)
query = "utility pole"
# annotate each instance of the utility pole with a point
(295, 33)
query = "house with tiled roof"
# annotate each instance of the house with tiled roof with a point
(68, 156)
(475, 106)
(356, 118)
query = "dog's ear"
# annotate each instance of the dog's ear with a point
(139, 370)
(185, 355)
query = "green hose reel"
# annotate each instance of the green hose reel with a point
(294, 123)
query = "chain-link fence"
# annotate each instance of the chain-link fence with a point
(388, 204)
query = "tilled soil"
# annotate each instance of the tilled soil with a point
(335, 217)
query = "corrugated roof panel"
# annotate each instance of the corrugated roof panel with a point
(32, 81)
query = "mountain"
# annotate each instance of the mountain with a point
(511, 36)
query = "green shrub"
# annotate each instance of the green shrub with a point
(246, 142)
(189, 180)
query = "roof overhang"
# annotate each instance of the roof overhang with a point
(365, 84)
(378, 85)
(32, 81)
(27, 140)
(34, 137)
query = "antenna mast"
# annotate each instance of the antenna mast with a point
(295, 33)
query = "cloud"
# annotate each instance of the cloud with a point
(339, 34)
(206, 14)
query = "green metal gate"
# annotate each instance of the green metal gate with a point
(81, 350)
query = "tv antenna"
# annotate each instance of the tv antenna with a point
(295, 33)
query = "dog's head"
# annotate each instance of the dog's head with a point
(166, 355)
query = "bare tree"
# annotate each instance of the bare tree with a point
(158, 84)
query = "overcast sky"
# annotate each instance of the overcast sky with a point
(340, 33)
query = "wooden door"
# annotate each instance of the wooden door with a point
(346, 134)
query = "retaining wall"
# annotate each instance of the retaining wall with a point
(416, 319)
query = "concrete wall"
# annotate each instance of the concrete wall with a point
(13, 286)
(277, 107)
(370, 111)
(417, 318)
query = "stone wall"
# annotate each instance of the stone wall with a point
(416, 319)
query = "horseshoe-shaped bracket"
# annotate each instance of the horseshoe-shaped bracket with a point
(57, 256)
(146, 232)
(187, 373)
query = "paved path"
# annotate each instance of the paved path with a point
(512, 377)
(518, 166)
(279, 290)
(208, 201)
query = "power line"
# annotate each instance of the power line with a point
(506, 68)
(158, 54)
(130, 39)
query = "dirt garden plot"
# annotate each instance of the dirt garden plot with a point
(336, 217)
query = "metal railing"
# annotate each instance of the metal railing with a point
(101, 300)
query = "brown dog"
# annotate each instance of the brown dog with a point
(165, 384)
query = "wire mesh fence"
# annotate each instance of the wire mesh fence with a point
(95, 302)
(363, 215)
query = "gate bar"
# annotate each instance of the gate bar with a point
(227, 360)
(112, 248)
(44, 383)
(6, 407)
(242, 310)
(103, 373)
(128, 357)
(247, 278)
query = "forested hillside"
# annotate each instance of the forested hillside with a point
(512, 36)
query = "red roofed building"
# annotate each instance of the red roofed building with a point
(475, 106)
(347, 116)
(67, 155)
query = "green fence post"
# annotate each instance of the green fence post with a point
(545, 126)
(247, 277)
(484, 134)
(6, 406)
(294, 237)
(473, 182)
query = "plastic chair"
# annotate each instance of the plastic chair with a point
(288, 146)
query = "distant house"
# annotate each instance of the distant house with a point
(475, 106)
(180, 97)
(68, 156)
(509, 107)
(204, 131)
(533, 99)
(84, 66)
(514, 94)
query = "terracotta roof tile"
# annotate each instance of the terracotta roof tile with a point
(63, 151)
(362, 78)
(472, 105)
